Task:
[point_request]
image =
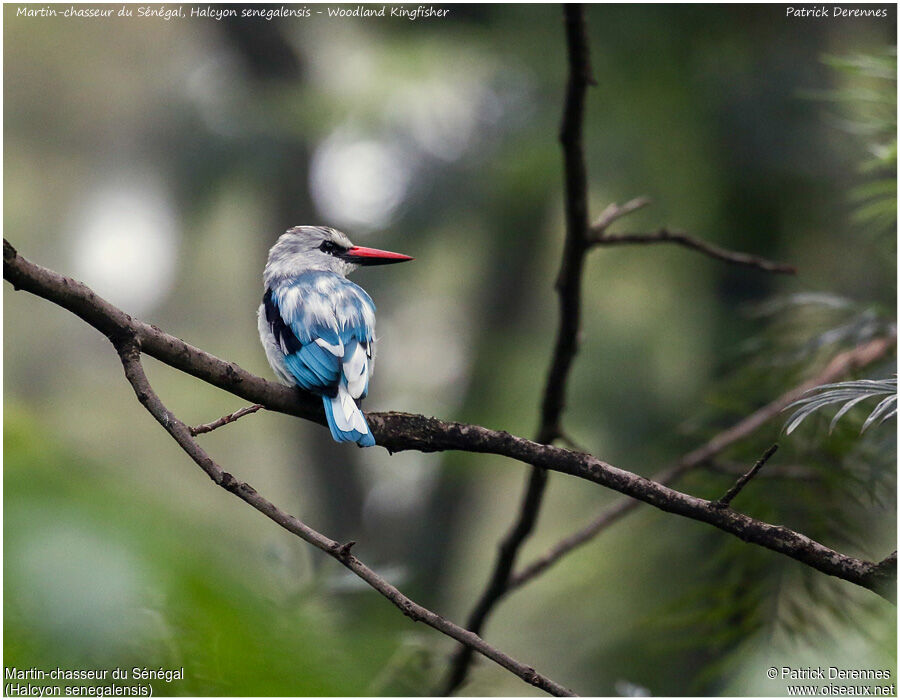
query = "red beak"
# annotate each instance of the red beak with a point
(372, 256)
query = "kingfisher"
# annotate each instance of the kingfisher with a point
(317, 327)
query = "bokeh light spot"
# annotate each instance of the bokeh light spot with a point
(359, 183)
(126, 243)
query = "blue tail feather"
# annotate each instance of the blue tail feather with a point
(361, 439)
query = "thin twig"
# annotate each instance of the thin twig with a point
(396, 431)
(847, 361)
(599, 237)
(129, 352)
(744, 479)
(568, 286)
(788, 472)
(613, 213)
(225, 420)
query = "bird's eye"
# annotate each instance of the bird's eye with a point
(328, 247)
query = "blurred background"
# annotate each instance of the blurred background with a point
(158, 161)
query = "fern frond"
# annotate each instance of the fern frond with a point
(849, 394)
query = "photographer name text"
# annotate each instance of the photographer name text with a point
(834, 12)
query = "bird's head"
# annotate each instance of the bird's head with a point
(305, 248)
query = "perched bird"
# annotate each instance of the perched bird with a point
(317, 327)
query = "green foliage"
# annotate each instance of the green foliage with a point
(99, 574)
(846, 484)
(804, 328)
(872, 103)
(869, 112)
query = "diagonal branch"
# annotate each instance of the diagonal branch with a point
(841, 365)
(600, 237)
(130, 354)
(568, 286)
(397, 431)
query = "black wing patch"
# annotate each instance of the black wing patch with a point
(284, 336)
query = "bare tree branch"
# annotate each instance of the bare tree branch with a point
(599, 237)
(405, 431)
(130, 354)
(744, 479)
(568, 286)
(842, 364)
(225, 420)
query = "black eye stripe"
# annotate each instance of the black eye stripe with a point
(331, 248)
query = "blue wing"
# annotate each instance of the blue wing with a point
(324, 325)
